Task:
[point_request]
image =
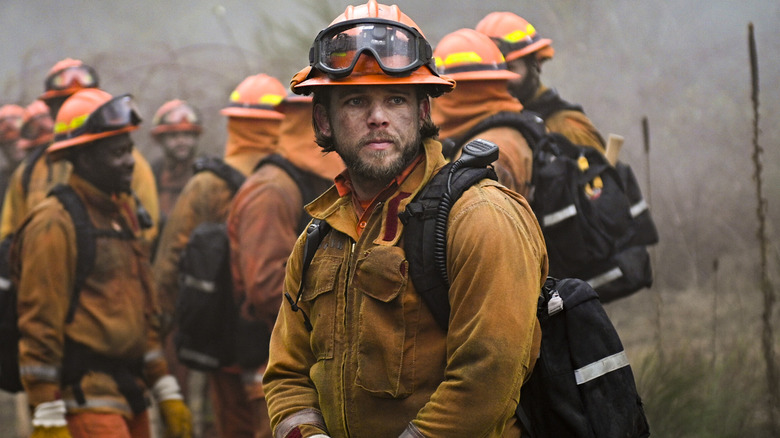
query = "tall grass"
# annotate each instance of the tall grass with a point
(686, 395)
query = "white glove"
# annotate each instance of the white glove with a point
(50, 414)
(166, 388)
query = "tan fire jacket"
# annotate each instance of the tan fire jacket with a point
(117, 311)
(470, 103)
(376, 363)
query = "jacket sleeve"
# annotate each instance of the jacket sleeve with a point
(47, 247)
(290, 392)
(13, 204)
(493, 314)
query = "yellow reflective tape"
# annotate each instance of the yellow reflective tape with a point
(582, 163)
(438, 61)
(235, 96)
(60, 127)
(462, 58)
(77, 121)
(520, 34)
(271, 99)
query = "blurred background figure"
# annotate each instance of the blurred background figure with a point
(11, 120)
(176, 129)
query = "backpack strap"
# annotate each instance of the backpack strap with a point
(317, 231)
(550, 102)
(309, 184)
(425, 227)
(86, 233)
(219, 167)
(528, 123)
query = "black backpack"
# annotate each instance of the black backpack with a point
(210, 333)
(598, 232)
(595, 222)
(582, 384)
(86, 233)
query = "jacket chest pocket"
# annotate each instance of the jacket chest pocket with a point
(387, 323)
(319, 295)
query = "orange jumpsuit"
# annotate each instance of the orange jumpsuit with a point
(207, 198)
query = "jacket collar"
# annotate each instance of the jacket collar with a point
(338, 212)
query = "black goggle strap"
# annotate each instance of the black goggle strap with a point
(314, 235)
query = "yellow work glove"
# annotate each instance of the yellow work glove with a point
(175, 414)
(49, 421)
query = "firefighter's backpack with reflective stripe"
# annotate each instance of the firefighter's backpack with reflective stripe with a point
(596, 224)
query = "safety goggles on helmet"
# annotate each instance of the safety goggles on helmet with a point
(117, 113)
(180, 114)
(81, 75)
(397, 48)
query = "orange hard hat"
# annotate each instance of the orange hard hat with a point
(467, 55)
(515, 36)
(11, 119)
(68, 76)
(399, 52)
(256, 97)
(176, 116)
(38, 127)
(91, 114)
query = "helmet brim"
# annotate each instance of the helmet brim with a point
(58, 146)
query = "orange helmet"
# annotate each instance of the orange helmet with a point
(91, 114)
(11, 119)
(256, 97)
(38, 127)
(398, 50)
(515, 36)
(176, 116)
(68, 76)
(467, 55)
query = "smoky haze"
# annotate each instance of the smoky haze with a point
(682, 64)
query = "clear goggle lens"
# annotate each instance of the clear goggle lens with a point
(397, 48)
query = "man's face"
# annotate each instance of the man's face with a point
(528, 68)
(179, 146)
(12, 154)
(108, 164)
(376, 129)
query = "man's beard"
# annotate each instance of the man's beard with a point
(364, 170)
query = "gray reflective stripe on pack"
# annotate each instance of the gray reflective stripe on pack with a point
(201, 285)
(601, 367)
(5, 283)
(638, 208)
(196, 356)
(553, 218)
(600, 280)
(49, 373)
